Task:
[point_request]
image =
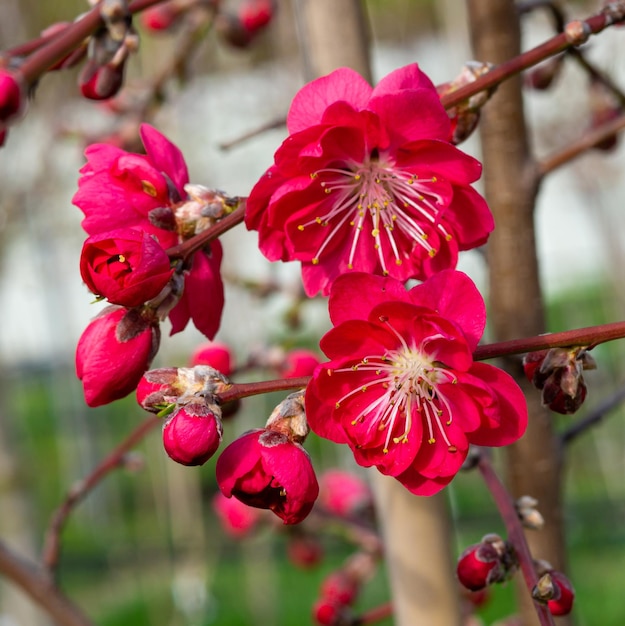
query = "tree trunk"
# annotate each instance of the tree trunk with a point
(515, 300)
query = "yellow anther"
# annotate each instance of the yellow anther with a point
(398, 261)
(432, 253)
(434, 179)
(315, 261)
(300, 227)
(330, 191)
(452, 449)
(318, 220)
(337, 405)
(148, 188)
(350, 266)
(385, 450)
(448, 423)
(121, 258)
(375, 232)
(448, 237)
(432, 440)
(357, 177)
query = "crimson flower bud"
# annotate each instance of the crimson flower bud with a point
(193, 433)
(564, 594)
(328, 612)
(113, 352)
(340, 587)
(12, 96)
(239, 29)
(157, 389)
(265, 469)
(485, 563)
(215, 354)
(125, 266)
(558, 373)
(100, 82)
(161, 16)
(465, 115)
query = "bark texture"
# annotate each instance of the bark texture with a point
(515, 302)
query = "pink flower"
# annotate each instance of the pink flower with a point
(401, 388)
(368, 181)
(113, 352)
(125, 266)
(237, 519)
(265, 469)
(119, 189)
(343, 493)
(203, 296)
(193, 433)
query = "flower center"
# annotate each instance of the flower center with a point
(378, 197)
(411, 384)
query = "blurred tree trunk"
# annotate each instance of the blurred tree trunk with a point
(416, 531)
(515, 300)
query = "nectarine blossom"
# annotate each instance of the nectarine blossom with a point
(401, 388)
(368, 181)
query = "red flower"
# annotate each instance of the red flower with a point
(367, 180)
(119, 189)
(113, 352)
(401, 388)
(125, 266)
(12, 96)
(237, 519)
(193, 433)
(265, 469)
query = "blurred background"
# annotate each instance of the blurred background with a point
(146, 547)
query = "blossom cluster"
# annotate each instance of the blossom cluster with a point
(136, 207)
(367, 192)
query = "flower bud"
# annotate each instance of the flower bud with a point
(193, 433)
(157, 389)
(12, 96)
(485, 563)
(215, 354)
(125, 266)
(289, 418)
(328, 612)
(465, 115)
(299, 362)
(528, 514)
(542, 76)
(344, 494)
(240, 29)
(558, 373)
(554, 589)
(113, 352)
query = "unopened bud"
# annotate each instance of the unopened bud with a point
(542, 77)
(485, 563)
(465, 115)
(193, 433)
(558, 373)
(289, 418)
(202, 209)
(528, 514)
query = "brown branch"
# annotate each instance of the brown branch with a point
(516, 536)
(263, 128)
(52, 543)
(575, 33)
(50, 53)
(374, 615)
(578, 147)
(36, 583)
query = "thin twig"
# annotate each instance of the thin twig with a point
(374, 615)
(581, 145)
(263, 128)
(52, 544)
(575, 34)
(38, 585)
(594, 417)
(516, 537)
